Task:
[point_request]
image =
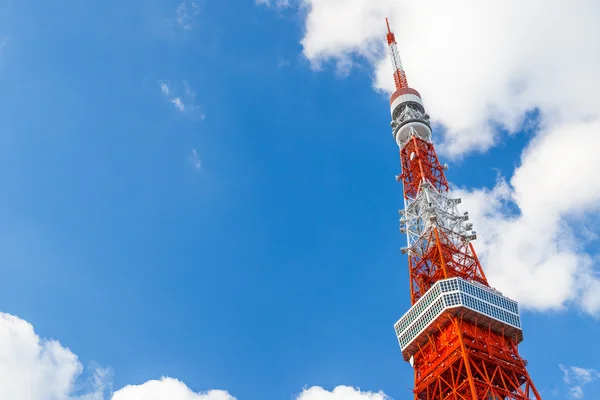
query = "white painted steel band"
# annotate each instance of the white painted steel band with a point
(423, 131)
(404, 98)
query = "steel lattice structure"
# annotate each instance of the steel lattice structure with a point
(460, 335)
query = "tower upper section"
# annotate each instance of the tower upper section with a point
(406, 105)
(399, 74)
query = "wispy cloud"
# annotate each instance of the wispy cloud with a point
(187, 12)
(184, 102)
(274, 3)
(165, 88)
(97, 384)
(188, 90)
(195, 160)
(576, 378)
(178, 104)
(283, 62)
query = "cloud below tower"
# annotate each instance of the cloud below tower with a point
(36, 368)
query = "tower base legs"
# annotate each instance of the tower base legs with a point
(468, 361)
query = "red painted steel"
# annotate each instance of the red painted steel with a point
(403, 91)
(399, 74)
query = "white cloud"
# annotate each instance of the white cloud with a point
(188, 90)
(274, 3)
(97, 385)
(165, 88)
(195, 160)
(339, 393)
(33, 368)
(187, 11)
(167, 389)
(283, 62)
(576, 378)
(178, 104)
(536, 256)
(472, 61)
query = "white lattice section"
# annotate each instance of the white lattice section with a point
(432, 208)
(451, 296)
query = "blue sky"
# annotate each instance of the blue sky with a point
(244, 238)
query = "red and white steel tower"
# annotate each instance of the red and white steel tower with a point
(460, 335)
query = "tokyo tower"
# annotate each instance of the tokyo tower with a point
(460, 335)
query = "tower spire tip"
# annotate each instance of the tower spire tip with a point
(390, 35)
(399, 74)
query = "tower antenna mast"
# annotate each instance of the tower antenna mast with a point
(399, 74)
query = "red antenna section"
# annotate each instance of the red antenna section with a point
(399, 74)
(390, 35)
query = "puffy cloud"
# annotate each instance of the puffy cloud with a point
(34, 369)
(167, 389)
(40, 369)
(474, 62)
(576, 378)
(339, 393)
(536, 255)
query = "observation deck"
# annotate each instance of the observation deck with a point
(408, 116)
(473, 301)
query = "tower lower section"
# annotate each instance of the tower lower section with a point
(467, 360)
(461, 338)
